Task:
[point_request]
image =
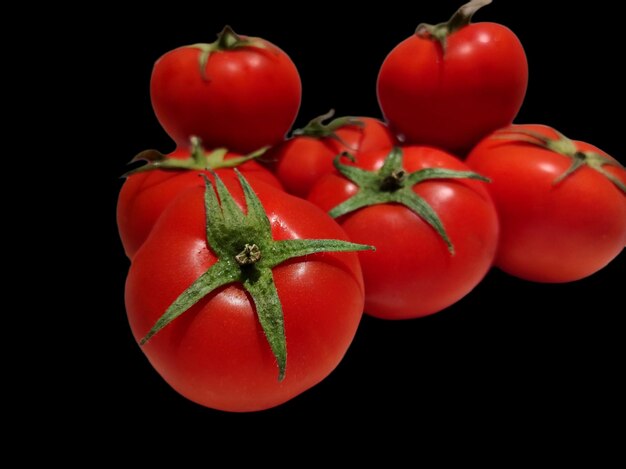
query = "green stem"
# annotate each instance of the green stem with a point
(461, 18)
(316, 128)
(227, 40)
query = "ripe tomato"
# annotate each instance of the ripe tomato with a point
(300, 161)
(413, 272)
(452, 84)
(145, 195)
(217, 352)
(240, 93)
(557, 226)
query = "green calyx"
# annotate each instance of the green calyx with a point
(566, 147)
(461, 18)
(316, 128)
(393, 184)
(227, 40)
(198, 160)
(246, 254)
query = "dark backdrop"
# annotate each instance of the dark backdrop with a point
(515, 374)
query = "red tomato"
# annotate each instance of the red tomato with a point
(216, 353)
(452, 84)
(412, 272)
(305, 158)
(144, 196)
(553, 228)
(244, 95)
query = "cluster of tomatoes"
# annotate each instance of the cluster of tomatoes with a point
(253, 256)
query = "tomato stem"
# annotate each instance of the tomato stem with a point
(316, 128)
(227, 40)
(461, 18)
(250, 255)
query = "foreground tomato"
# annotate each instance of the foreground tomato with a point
(451, 84)
(151, 188)
(240, 93)
(562, 203)
(243, 312)
(302, 160)
(435, 234)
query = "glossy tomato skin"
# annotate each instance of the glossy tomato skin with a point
(300, 161)
(216, 353)
(551, 232)
(453, 100)
(144, 196)
(249, 98)
(412, 273)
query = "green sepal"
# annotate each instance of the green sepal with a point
(247, 253)
(227, 40)
(566, 147)
(316, 128)
(199, 160)
(392, 184)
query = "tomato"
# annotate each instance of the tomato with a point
(452, 84)
(422, 263)
(238, 92)
(224, 350)
(300, 161)
(145, 195)
(557, 225)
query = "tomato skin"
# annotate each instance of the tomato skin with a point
(551, 232)
(144, 196)
(301, 161)
(216, 354)
(249, 99)
(411, 273)
(453, 100)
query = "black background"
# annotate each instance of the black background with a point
(515, 374)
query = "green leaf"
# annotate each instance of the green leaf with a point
(219, 274)
(256, 213)
(260, 284)
(290, 248)
(419, 206)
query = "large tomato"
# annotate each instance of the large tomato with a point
(145, 195)
(451, 84)
(243, 312)
(300, 161)
(240, 93)
(423, 262)
(562, 203)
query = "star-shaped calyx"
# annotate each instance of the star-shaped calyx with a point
(198, 160)
(227, 40)
(566, 147)
(246, 253)
(393, 184)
